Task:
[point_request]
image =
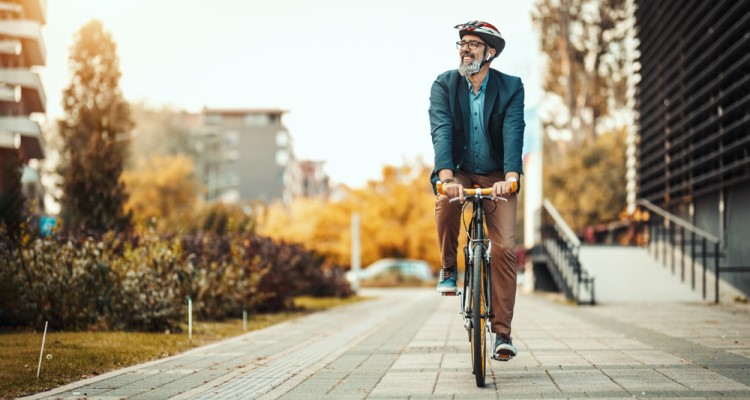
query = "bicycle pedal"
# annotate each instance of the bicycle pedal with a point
(502, 357)
(450, 293)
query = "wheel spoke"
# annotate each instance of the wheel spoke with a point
(479, 311)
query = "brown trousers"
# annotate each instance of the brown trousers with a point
(501, 228)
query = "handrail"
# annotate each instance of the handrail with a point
(675, 242)
(561, 247)
(677, 220)
(559, 221)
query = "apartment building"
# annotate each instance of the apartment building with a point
(21, 92)
(245, 155)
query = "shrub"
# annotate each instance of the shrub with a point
(294, 271)
(66, 281)
(223, 275)
(153, 282)
(142, 282)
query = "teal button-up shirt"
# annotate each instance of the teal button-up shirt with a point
(450, 121)
(479, 159)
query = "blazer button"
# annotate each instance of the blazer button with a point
(464, 147)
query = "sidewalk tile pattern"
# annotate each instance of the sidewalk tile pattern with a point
(411, 344)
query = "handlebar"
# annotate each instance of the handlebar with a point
(477, 191)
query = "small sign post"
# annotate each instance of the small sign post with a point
(190, 319)
(41, 352)
(355, 251)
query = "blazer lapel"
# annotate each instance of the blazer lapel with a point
(493, 87)
(463, 100)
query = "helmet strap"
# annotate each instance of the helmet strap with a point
(485, 60)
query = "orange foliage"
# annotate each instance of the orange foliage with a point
(161, 187)
(397, 219)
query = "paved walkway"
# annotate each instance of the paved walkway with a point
(410, 344)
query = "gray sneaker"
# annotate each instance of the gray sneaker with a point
(447, 282)
(504, 349)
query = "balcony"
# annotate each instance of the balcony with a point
(30, 144)
(32, 92)
(30, 34)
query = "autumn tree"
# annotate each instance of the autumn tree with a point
(590, 183)
(161, 187)
(583, 42)
(396, 212)
(321, 225)
(94, 129)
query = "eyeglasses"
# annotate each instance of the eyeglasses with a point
(473, 44)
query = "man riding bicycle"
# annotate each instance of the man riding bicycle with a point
(476, 120)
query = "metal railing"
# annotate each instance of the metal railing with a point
(561, 247)
(669, 234)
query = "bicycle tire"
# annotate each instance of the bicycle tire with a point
(466, 299)
(478, 309)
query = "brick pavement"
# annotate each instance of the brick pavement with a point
(411, 344)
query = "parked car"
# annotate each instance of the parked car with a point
(398, 269)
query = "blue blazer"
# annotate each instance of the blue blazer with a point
(503, 120)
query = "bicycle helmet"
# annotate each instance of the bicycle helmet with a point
(484, 30)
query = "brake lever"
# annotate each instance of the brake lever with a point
(483, 197)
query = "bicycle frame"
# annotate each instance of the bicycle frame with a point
(476, 234)
(477, 276)
(476, 305)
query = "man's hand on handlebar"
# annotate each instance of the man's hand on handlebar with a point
(454, 190)
(503, 188)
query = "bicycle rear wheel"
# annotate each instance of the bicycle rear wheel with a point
(478, 309)
(466, 297)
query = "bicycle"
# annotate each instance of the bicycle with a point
(476, 298)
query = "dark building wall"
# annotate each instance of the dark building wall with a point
(737, 234)
(707, 215)
(694, 116)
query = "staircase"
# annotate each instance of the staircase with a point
(558, 250)
(627, 274)
(680, 262)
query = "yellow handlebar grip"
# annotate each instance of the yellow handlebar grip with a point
(471, 192)
(439, 187)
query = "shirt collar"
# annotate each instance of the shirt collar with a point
(482, 87)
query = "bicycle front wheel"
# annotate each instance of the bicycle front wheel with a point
(478, 309)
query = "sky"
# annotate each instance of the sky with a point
(354, 76)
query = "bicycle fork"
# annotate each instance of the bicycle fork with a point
(463, 311)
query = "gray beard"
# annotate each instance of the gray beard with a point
(469, 69)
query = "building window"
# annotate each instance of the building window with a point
(282, 138)
(282, 157)
(231, 179)
(256, 120)
(231, 155)
(231, 138)
(213, 119)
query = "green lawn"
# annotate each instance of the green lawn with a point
(71, 356)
